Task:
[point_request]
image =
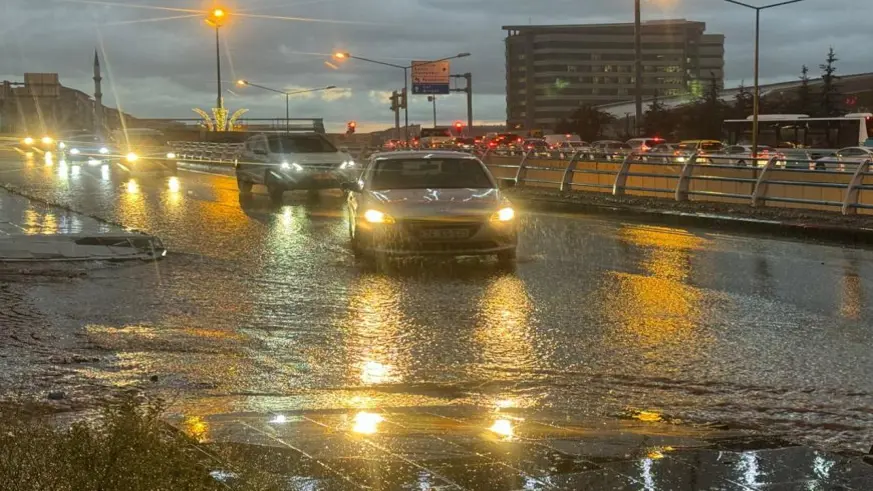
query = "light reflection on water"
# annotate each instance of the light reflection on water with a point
(503, 335)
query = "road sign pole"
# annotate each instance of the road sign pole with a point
(406, 105)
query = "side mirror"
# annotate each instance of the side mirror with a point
(506, 183)
(352, 186)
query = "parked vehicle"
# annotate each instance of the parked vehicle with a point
(287, 162)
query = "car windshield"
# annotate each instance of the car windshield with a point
(300, 144)
(424, 173)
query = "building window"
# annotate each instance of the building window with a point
(571, 68)
(595, 56)
(595, 80)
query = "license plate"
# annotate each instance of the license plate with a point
(444, 233)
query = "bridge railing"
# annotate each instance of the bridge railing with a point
(776, 181)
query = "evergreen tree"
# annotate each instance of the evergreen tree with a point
(658, 120)
(803, 95)
(830, 90)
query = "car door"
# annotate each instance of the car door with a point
(260, 159)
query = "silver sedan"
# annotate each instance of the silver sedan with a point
(430, 203)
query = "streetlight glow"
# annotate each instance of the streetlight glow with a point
(218, 13)
(340, 55)
(242, 83)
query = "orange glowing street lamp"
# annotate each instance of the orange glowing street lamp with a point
(216, 19)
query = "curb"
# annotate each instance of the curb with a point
(827, 233)
(131, 246)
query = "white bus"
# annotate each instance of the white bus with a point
(801, 131)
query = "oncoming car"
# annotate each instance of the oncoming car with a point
(143, 150)
(430, 203)
(43, 144)
(293, 161)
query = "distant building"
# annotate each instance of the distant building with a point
(41, 105)
(552, 69)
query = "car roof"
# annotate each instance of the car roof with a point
(405, 154)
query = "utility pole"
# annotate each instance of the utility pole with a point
(638, 66)
(395, 106)
(468, 77)
(432, 99)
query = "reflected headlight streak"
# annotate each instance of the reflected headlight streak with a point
(293, 165)
(376, 216)
(104, 151)
(503, 215)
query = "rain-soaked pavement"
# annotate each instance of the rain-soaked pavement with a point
(260, 312)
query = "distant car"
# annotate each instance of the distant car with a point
(661, 153)
(742, 155)
(393, 144)
(86, 148)
(567, 148)
(610, 149)
(43, 144)
(465, 143)
(138, 150)
(642, 145)
(703, 148)
(847, 159)
(799, 158)
(536, 146)
(430, 203)
(287, 162)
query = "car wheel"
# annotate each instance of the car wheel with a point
(245, 187)
(274, 189)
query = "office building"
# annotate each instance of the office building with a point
(550, 70)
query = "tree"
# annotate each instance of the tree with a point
(803, 96)
(830, 90)
(658, 120)
(585, 121)
(744, 102)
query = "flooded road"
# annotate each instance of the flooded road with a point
(263, 308)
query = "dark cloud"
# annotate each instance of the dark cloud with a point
(163, 68)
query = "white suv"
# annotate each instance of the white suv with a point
(290, 161)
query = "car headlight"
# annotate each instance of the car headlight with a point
(284, 166)
(104, 150)
(503, 215)
(376, 216)
(62, 145)
(348, 164)
(74, 151)
(171, 155)
(28, 141)
(132, 157)
(297, 167)
(46, 140)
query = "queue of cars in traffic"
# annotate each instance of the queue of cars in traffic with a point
(657, 150)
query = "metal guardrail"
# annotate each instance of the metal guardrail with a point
(694, 169)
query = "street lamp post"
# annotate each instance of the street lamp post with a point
(757, 95)
(287, 94)
(638, 68)
(405, 68)
(432, 98)
(216, 20)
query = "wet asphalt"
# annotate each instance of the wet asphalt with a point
(263, 308)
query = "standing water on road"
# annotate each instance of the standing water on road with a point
(263, 308)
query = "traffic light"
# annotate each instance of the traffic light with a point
(395, 101)
(350, 127)
(403, 99)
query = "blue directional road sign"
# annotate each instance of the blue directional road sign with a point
(429, 77)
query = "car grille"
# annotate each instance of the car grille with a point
(321, 166)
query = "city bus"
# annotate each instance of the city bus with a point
(801, 131)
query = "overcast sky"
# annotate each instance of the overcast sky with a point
(159, 67)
